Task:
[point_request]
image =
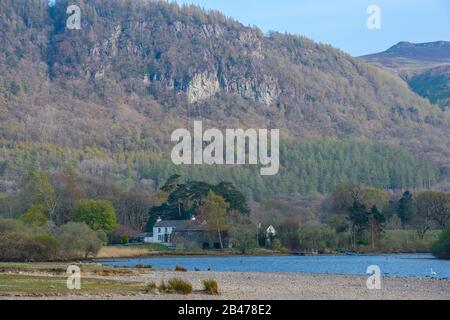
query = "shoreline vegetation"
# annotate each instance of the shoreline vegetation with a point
(352, 219)
(132, 252)
(48, 281)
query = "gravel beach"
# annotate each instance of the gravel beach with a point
(296, 286)
(287, 286)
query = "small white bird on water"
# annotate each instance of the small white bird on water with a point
(433, 274)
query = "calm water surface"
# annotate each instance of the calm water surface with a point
(400, 265)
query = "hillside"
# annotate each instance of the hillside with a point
(433, 84)
(425, 66)
(405, 55)
(104, 99)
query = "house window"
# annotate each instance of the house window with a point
(167, 230)
(159, 238)
(159, 230)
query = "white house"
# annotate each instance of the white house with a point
(163, 230)
(271, 232)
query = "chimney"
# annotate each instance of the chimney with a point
(158, 220)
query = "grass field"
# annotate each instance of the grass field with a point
(60, 269)
(28, 285)
(49, 279)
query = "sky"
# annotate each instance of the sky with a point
(343, 23)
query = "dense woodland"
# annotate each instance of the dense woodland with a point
(434, 84)
(307, 166)
(58, 217)
(109, 95)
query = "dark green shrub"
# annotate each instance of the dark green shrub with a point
(97, 214)
(35, 215)
(441, 248)
(12, 247)
(15, 88)
(125, 239)
(78, 241)
(42, 248)
(316, 238)
(23, 242)
(242, 237)
(211, 287)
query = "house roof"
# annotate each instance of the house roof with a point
(180, 225)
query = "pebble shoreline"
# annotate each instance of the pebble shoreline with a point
(284, 286)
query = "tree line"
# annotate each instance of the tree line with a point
(307, 166)
(357, 218)
(53, 206)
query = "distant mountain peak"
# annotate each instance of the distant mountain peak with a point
(428, 52)
(400, 45)
(425, 66)
(433, 51)
(433, 44)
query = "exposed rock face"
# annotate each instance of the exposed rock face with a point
(202, 86)
(205, 85)
(265, 90)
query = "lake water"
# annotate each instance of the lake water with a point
(399, 265)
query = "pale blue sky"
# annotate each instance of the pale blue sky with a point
(342, 23)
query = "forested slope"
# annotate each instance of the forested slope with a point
(104, 99)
